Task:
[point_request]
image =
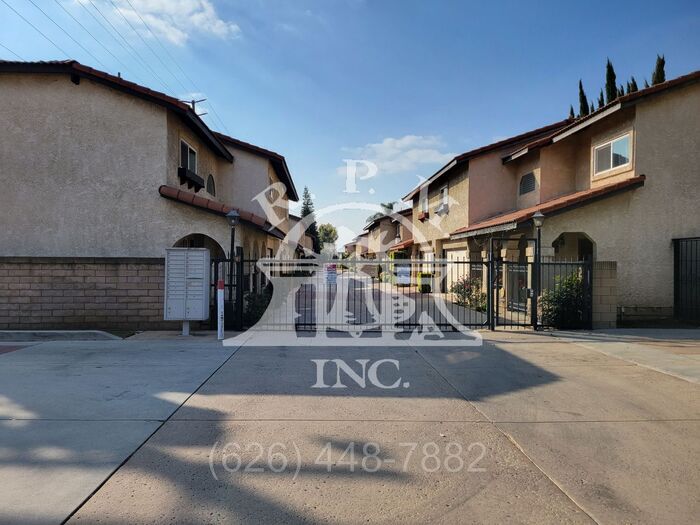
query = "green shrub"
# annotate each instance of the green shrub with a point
(564, 306)
(467, 291)
(255, 305)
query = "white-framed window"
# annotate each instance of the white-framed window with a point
(424, 204)
(397, 232)
(444, 195)
(612, 154)
(188, 157)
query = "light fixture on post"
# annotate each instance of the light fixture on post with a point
(538, 221)
(233, 218)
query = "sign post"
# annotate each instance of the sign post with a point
(220, 308)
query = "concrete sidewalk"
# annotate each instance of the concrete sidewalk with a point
(72, 412)
(547, 431)
(672, 351)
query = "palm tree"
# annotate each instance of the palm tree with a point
(388, 207)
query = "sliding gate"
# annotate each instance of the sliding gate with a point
(397, 294)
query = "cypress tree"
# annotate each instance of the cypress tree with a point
(592, 107)
(632, 86)
(601, 99)
(571, 112)
(659, 74)
(620, 90)
(307, 208)
(646, 83)
(610, 82)
(583, 108)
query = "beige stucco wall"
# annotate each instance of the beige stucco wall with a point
(635, 228)
(81, 166)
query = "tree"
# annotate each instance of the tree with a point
(387, 208)
(610, 82)
(327, 233)
(632, 86)
(307, 208)
(601, 99)
(571, 112)
(583, 107)
(620, 90)
(646, 83)
(659, 74)
(592, 107)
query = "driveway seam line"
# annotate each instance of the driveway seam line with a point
(508, 437)
(111, 474)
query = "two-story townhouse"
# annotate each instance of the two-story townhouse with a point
(462, 191)
(389, 233)
(100, 176)
(618, 185)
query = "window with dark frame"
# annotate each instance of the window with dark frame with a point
(527, 183)
(211, 186)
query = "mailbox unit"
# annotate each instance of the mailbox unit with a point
(186, 285)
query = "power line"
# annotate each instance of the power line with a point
(177, 65)
(128, 44)
(91, 35)
(10, 51)
(146, 43)
(67, 34)
(36, 28)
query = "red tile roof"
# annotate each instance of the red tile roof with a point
(401, 245)
(218, 208)
(624, 101)
(555, 205)
(510, 141)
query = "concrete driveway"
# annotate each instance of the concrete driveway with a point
(529, 428)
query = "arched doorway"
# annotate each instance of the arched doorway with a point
(199, 240)
(574, 246)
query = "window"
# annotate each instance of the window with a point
(527, 183)
(443, 195)
(211, 187)
(612, 154)
(397, 234)
(188, 157)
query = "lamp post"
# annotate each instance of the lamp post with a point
(538, 221)
(233, 217)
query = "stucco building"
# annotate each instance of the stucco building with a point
(617, 186)
(100, 176)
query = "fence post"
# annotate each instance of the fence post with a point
(489, 298)
(536, 279)
(238, 310)
(588, 287)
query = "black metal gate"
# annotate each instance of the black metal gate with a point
(401, 294)
(686, 279)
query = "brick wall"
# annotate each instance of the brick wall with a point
(81, 293)
(605, 294)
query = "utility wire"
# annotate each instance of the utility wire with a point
(91, 35)
(146, 43)
(68, 34)
(10, 51)
(138, 55)
(184, 74)
(36, 29)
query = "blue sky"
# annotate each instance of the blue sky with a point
(406, 84)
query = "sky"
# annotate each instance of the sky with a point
(403, 84)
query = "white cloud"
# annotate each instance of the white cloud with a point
(401, 155)
(174, 21)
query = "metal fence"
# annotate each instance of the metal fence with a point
(686, 279)
(378, 295)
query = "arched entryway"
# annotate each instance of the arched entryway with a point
(574, 246)
(199, 240)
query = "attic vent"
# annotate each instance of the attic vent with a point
(527, 183)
